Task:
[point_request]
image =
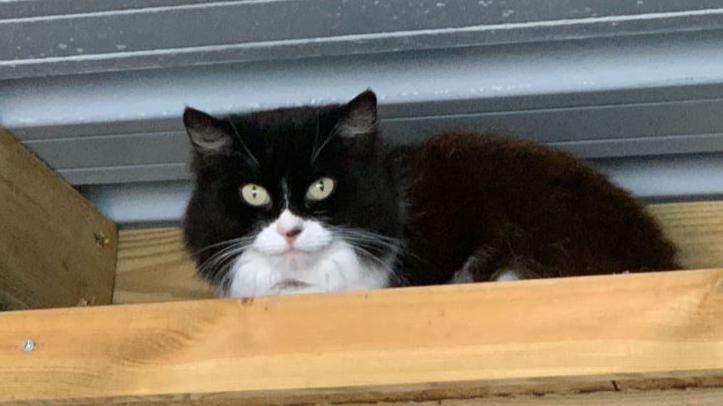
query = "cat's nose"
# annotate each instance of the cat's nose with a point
(289, 226)
(291, 233)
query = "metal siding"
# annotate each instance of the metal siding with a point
(93, 37)
(96, 88)
(652, 178)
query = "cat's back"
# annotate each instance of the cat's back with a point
(492, 167)
(480, 190)
(494, 156)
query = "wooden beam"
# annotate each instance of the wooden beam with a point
(696, 228)
(55, 249)
(552, 335)
(153, 265)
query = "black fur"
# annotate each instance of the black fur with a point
(297, 145)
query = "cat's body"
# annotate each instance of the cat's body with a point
(517, 206)
(311, 199)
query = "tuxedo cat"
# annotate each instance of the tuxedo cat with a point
(311, 199)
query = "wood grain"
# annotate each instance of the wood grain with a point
(378, 345)
(696, 228)
(153, 266)
(55, 249)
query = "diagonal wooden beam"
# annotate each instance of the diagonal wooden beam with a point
(55, 248)
(549, 336)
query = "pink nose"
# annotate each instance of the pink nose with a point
(289, 233)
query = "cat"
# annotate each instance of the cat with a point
(311, 199)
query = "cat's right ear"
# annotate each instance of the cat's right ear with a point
(359, 116)
(206, 133)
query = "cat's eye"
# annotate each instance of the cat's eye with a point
(320, 189)
(255, 195)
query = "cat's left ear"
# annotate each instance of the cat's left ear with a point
(207, 133)
(359, 116)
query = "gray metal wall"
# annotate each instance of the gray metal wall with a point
(96, 88)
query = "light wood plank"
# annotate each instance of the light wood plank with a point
(572, 332)
(697, 230)
(153, 266)
(55, 248)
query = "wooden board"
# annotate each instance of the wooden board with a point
(153, 266)
(476, 340)
(55, 248)
(697, 230)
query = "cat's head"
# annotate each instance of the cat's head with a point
(292, 200)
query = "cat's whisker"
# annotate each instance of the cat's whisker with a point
(373, 239)
(326, 142)
(398, 248)
(369, 238)
(387, 268)
(366, 237)
(223, 258)
(363, 233)
(341, 273)
(316, 137)
(373, 242)
(241, 141)
(219, 244)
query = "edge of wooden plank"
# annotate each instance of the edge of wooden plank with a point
(540, 392)
(58, 250)
(572, 332)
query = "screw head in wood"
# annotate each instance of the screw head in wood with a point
(101, 240)
(28, 345)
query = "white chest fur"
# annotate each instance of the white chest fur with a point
(318, 262)
(335, 268)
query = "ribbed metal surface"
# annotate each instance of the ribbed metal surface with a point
(96, 88)
(51, 37)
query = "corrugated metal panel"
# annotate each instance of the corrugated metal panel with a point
(652, 178)
(603, 98)
(92, 36)
(16, 9)
(636, 86)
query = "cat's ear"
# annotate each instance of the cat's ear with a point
(359, 116)
(207, 133)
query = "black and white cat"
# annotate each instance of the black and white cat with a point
(311, 199)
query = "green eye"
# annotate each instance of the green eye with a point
(255, 195)
(320, 189)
